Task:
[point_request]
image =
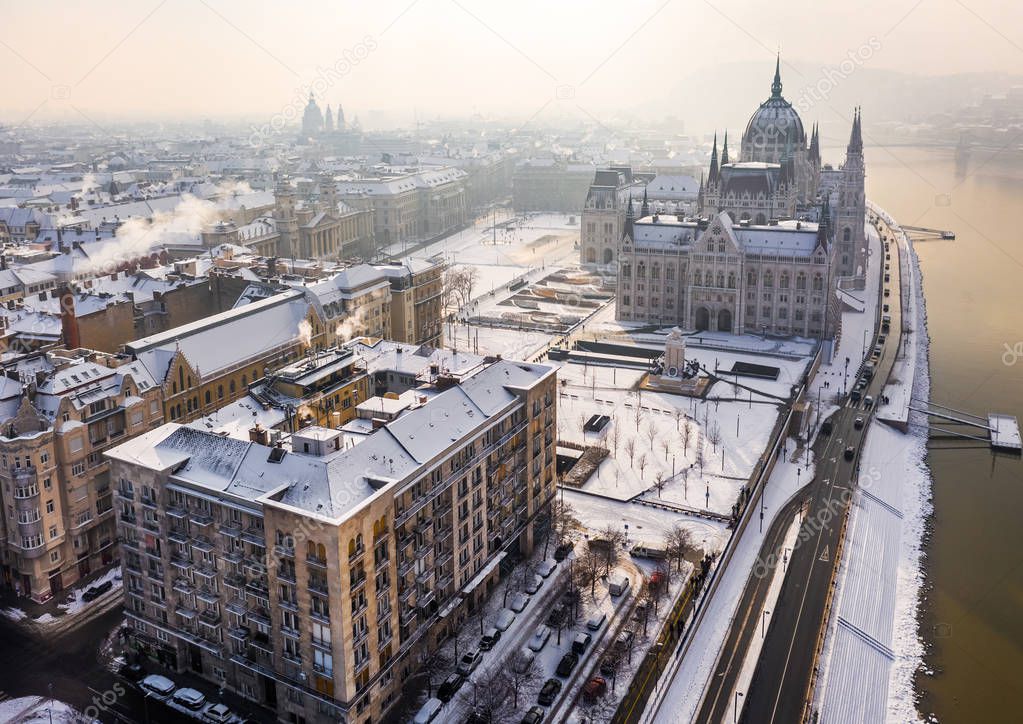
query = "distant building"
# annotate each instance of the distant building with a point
(541, 184)
(417, 305)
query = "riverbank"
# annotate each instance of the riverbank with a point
(873, 648)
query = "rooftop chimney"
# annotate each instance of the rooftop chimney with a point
(68, 321)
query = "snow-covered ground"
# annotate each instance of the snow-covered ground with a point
(872, 649)
(73, 606)
(37, 710)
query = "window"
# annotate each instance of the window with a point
(49, 506)
(54, 556)
(78, 468)
(53, 531)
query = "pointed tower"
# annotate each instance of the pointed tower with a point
(340, 118)
(328, 120)
(712, 177)
(776, 84)
(630, 217)
(849, 232)
(724, 150)
(645, 209)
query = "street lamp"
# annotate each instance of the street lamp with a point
(763, 621)
(735, 712)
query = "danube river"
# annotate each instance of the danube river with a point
(973, 599)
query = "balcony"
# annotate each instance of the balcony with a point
(316, 561)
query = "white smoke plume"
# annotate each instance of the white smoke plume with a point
(352, 326)
(305, 333)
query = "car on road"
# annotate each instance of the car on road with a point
(618, 586)
(449, 687)
(94, 592)
(429, 711)
(218, 714)
(532, 584)
(581, 642)
(518, 602)
(884, 308)
(158, 687)
(595, 688)
(540, 638)
(855, 395)
(523, 660)
(134, 673)
(881, 339)
(549, 692)
(868, 402)
(546, 568)
(188, 700)
(826, 427)
(562, 551)
(469, 661)
(887, 292)
(534, 715)
(567, 664)
(858, 423)
(504, 619)
(596, 621)
(850, 452)
(490, 637)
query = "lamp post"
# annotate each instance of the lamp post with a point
(763, 623)
(735, 712)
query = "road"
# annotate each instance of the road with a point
(788, 660)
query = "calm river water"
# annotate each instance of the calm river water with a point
(973, 617)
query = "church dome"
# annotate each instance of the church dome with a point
(775, 128)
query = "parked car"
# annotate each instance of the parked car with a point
(887, 292)
(562, 551)
(850, 453)
(855, 395)
(549, 692)
(858, 423)
(567, 664)
(546, 568)
(469, 661)
(619, 586)
(640, 612)
(884, 308)
(596, 621)
(449, 687)
(540, 637)
(188, 699)
(581, 642)
(648, 551)
(868, 402)
(490, 637)
(523, 660)
(158, 687)
(218, 714)
(134, 673)
(518, 602)
(94, 592)
(533, 584)
(504, 619)
(428, 712)
(595, 688)
(534, 715)
(826, 427)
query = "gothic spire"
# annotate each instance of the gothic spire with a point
(856, 136)
(776, 85)
(340, 118)
(724, 150)
(645, 210)
(629, 218)
(713, 175)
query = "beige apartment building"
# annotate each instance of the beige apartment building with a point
(61, 410)
(417, 292)
(308, 575)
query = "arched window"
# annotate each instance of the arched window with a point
(801, 281)
(731, 280)
(174, 388)
(245, 380)
(655, 271)
(232, 387)
(626, 271)
(591, 255)
(768, 279)
(784, 280)
(697, 278)
(669, 272)
(209, 397)
(721, 279)
(847, 234)
(751, 278)
(181, 377)
(220, 392)
(641, 270)
(818, 282)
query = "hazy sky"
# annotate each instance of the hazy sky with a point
(241, 58)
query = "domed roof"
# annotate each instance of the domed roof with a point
(774, 128)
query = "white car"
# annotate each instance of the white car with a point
(539, 640)
(533, 584)
(546, 567)
(187, 700)
(523, 660)
(157, 687)
(504, 619)
(518, 602)
(219, 714)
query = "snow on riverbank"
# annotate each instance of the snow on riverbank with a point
(873, 649)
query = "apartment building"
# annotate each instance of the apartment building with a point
(417, 292)
(61, 410)
(309, 575)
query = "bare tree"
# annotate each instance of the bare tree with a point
(613, 538)
(651, 433)
(679, 416)
(666, 446)
(659, 482)
(715, 435)
(564, 521)
(616, 437)
(630, 449)
(678, 543)
(642, 465)
(586, 569)
(489, 697)
(686, 432)
(516, 678)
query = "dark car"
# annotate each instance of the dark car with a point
(132, 672)
(562, 551)
(549, 692)
(826, 427)
(858, 423)
(567, 663)
(449, 687)
(94, 592)
(534, 715)
(489, 638)
(855, 395)
(850, 453)
(580, 643)
(887, 292)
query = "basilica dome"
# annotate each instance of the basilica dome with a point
(774, 130)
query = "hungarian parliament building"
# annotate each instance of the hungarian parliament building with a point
(774, 231)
